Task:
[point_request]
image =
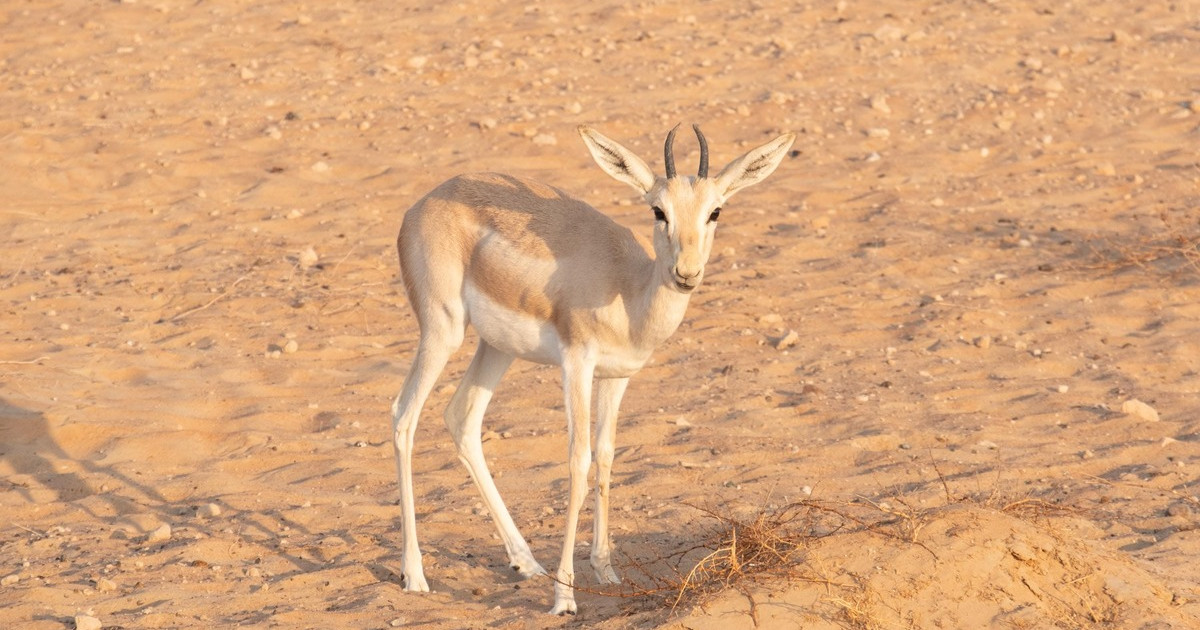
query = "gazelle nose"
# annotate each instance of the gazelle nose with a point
(685, 274)
(686, 280)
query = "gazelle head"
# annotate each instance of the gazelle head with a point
(685, 208)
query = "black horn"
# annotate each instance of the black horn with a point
(703, 172)
(669, 153)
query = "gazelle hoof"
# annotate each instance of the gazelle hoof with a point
(606, 575)
(566, 607)
(415, 583)
(527, 566)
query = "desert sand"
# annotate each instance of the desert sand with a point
(933, 318)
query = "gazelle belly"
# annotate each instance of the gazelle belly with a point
(513, 332)
(532, 339)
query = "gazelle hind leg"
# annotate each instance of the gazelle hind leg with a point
(464, 419)
(432, 353)
(608, 400)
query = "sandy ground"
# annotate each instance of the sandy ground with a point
(986, 243)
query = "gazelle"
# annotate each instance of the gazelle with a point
(545, 277)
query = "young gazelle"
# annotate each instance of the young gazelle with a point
(545, 277)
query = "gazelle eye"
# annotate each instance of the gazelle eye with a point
(659, 215)
(713, 217)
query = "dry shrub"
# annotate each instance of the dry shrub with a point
(768, 544)
(1172, 251)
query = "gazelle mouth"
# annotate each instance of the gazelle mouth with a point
(684, 287)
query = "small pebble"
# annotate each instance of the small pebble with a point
(162, 534)
(105, 585)
(291, 346)
(888, 33)
(320, 166)
(1022, 551)
(788, 340)
(87, 622)
(307, 258)
(1062, 389)
(778, 98)
(210, 510)
(1179, 509)
(9, 580)
(1140, 410)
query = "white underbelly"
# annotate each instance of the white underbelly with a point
(532, 339)
(512, 332)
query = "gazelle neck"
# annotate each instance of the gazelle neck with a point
(661, 306)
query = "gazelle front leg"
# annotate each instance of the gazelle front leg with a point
(578, 368)
(608, 400)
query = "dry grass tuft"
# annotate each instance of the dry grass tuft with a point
(1172, 251)
(770, 543)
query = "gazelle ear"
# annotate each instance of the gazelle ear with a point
(754, 166)
(620, 163)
